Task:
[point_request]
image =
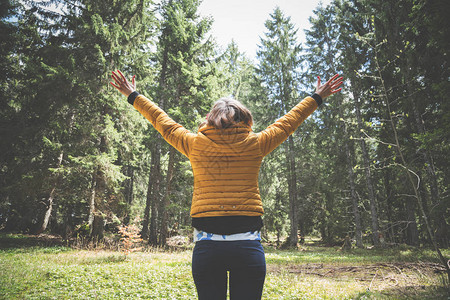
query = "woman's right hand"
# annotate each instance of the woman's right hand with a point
(122, 83)
(330, 87)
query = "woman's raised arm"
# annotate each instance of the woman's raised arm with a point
(278, 132)
(175, 134)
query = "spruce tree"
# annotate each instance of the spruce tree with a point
(278, 66)
(183, 91)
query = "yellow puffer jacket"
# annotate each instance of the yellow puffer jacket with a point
(225, 162)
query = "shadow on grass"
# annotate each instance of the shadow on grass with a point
(101, 259)
(321, 254)
(22, 241)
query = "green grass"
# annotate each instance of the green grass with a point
(313, 273)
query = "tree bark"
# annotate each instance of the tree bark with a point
(292, 186)
(149, 230)
(155, 170)
(95, 215)
(351, 180)
(164, 234)
(96, 223)
(148, 203)
(389, 204)
(412, 233)
(439, 220)
(48, 211)
(156, 186)
(49, 203)
(97, 227)
(92, 201)
(128, 194)
(354, 196)
(279, 218)
(370, 188)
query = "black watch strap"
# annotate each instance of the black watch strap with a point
(132, 97)
(317, 98)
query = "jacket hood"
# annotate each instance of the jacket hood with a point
(236, 133)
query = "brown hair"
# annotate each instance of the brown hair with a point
(227, 112)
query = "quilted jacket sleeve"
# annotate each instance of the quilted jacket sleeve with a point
(278, 132)
(175, 134)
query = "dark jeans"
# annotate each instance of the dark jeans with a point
(243, 259)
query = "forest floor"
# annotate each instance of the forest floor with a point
(43, 268)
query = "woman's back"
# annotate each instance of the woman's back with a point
(225, 160)
(226, 163)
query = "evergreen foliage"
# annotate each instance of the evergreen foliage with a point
(77, 159)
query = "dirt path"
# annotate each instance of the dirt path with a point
(402, 278)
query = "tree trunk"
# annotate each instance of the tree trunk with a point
(92, 201)
(97, 227)
(95, 220)
(370, 188)
(95, 215)
(412, 233)
(155, 195)
(292, 186)
(439, 215)
(164, 234)
(408, 171)
(351, 180)
(148, 202)
(329, 220)
(389, 205)
(278, 219)
(129, 197)
(49, 203)
(155, 170)
(128, 194)
(96, 224)
(354, 196)
(150, 212)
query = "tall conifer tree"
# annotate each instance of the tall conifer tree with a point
(278, 65)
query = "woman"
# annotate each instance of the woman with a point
(225, 156)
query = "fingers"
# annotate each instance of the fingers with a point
(337, 81)
(123, 76)
(115, 86)
(332, 86)
(119, 79)
(332, 78)
(122, 84)
(116, 78)
(336, 91)
(335, 84)
(333, 81)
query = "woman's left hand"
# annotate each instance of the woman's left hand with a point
(122, 84)
(330, 87)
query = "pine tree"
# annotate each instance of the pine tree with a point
(183, 92)
(323, 58)
(69, 107)
(278, 67)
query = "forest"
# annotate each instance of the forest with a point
(369, 167)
